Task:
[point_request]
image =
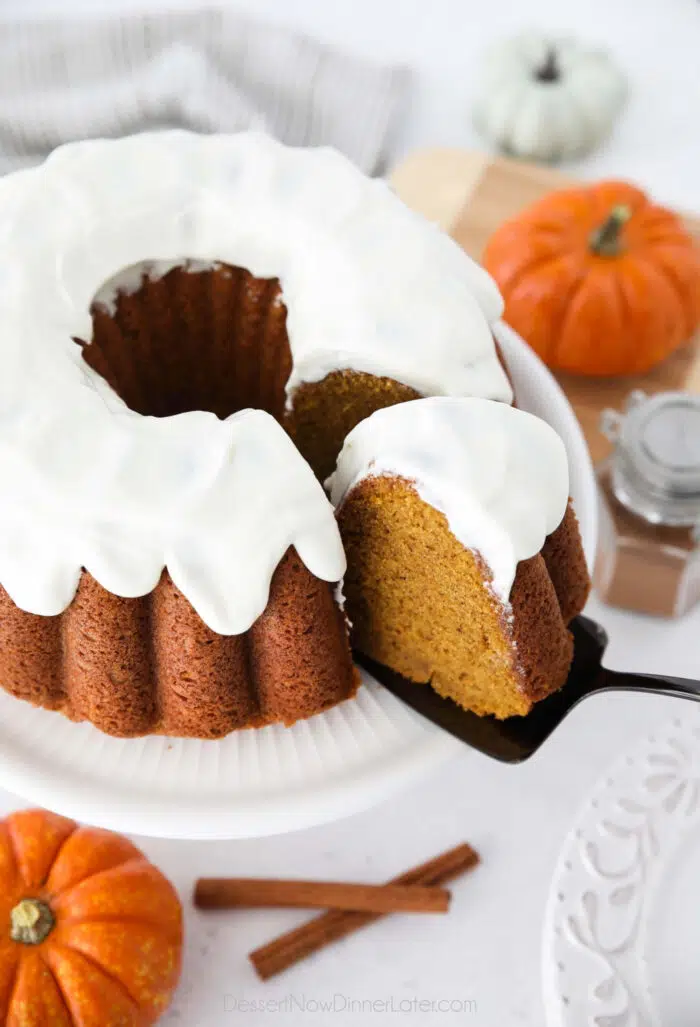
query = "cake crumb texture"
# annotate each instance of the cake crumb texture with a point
(419, 602)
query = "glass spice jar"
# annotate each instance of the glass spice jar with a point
(649, 551)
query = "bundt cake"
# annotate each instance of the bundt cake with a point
(465, 563)
(168, 563)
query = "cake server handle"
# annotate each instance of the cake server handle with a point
(660, 684)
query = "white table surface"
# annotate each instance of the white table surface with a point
(485, 956)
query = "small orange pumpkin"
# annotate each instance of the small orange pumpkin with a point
(90, 931)
(597, 279)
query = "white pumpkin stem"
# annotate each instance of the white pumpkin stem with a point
(606, 241)
(549, 70)
(31, 922)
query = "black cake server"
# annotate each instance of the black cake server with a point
(517, 738)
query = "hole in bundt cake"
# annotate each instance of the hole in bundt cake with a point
(191, 339)
(170, 340)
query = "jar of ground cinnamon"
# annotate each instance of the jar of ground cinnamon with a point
(649, 551)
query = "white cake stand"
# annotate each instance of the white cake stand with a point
(274, 779)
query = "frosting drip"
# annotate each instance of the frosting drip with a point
(184, 492)
(500, 475)
(84, 481)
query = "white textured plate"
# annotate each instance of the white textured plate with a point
(274, 779)
(622, 931)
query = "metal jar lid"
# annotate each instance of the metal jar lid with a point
(655, 465)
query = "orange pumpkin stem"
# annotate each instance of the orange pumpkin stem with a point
(31, 922)
(606, 241)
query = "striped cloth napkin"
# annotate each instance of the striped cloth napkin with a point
(210, 71)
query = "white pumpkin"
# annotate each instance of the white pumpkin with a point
(547, 99)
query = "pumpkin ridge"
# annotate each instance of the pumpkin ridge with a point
(556, 209)
(624, 310)
(14, 837)
(655, 238)
(57, 856)
(535, 266)
(63, 894)
(15, 977)
(6, 841)
(654, 219)
(651, 269)
(628, 301)
(570, 293)
(41, 956)
(118, 918)
(559, 331)
(654, 214)
(668, 255)
(613, 191)
(91, 875)
(546, 349)
(675, 286)
(96, 966)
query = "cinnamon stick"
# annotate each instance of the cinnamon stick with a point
(297, 944)
(225, 893)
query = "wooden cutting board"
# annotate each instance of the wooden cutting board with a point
(469, 195)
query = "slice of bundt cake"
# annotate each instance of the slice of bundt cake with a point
(167, 563)
(464, 558)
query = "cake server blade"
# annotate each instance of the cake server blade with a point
(517, 738)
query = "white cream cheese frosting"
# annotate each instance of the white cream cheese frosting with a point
(499, 475)
(186, 492)
(84, 481)
(368, 284)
